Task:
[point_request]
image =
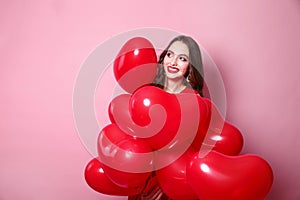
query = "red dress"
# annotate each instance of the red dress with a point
(189, 90)
(151, 191)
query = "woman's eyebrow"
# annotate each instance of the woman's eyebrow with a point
(184, 55)
(178, 54)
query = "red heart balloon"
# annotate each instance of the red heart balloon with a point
(118, 109)
(135, 64)
(213, 122)
(203, 124)
(229, 142)
(113, 134)
(128, 162)
(152, 107)
(220, 135)
(120, 115)
(161, 118)
(217, 176)
(172, 178)
(192, 124)
(97, 180)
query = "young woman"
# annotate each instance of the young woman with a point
(180, 70)
(180, 66)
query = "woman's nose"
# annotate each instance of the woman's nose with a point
(174, 60)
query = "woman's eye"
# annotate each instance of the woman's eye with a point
(169, 54)
(183, 58)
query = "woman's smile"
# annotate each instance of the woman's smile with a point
(172, 69)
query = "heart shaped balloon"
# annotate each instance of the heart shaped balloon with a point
(113, 134)
(128, 162)
(192, 126)
(120, 115)
(213, 125)
(172, 178)
(96, 178)
(161, 118)
(118, 109)
(136, 64)
(217, 176)
(150, 106)
(229, 142)
(203, 121)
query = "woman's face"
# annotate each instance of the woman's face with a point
(176, 61)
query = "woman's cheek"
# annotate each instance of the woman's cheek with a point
(184, 69)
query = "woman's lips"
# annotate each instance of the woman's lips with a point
(172, 69)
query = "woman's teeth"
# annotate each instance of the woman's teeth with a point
(173, 69)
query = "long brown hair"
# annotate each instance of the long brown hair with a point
(194, 76)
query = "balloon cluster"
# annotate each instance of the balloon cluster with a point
(193, 151)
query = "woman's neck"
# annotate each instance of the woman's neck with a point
(174, 86)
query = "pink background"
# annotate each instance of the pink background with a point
(254, 43)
